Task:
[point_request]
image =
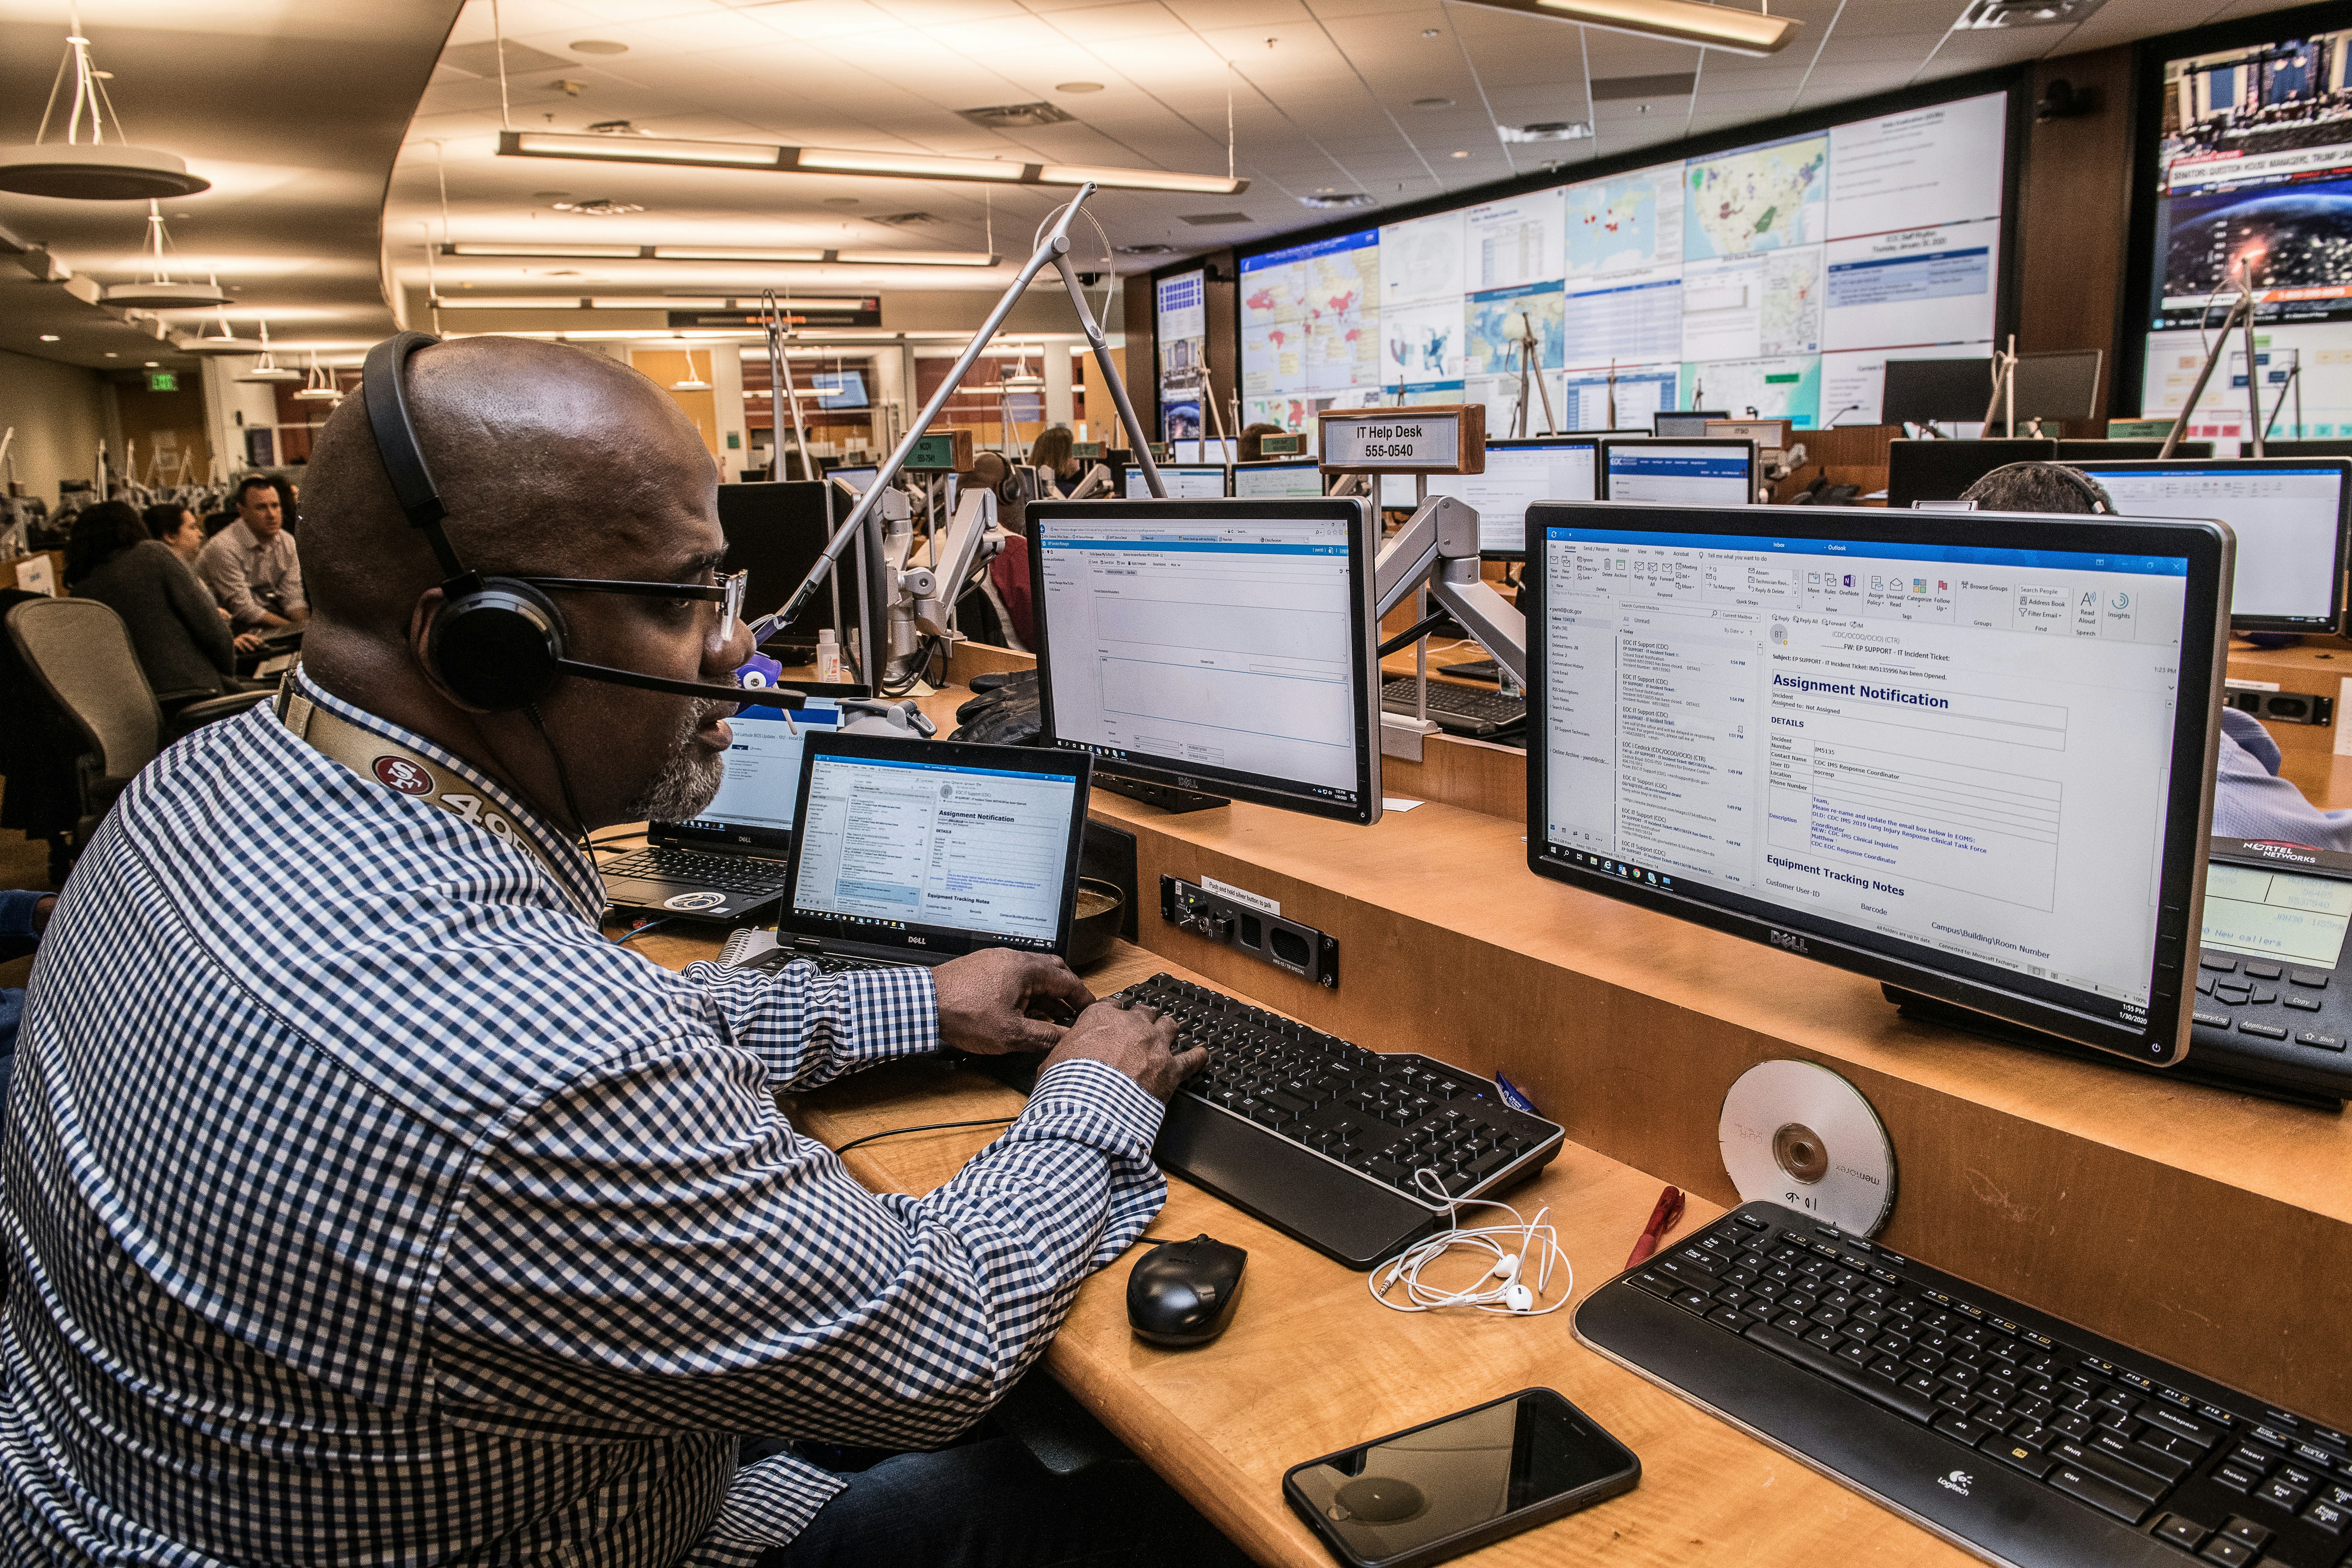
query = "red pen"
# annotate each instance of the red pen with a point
(1662, 1220)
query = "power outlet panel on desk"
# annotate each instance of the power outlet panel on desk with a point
(2283, 707)
(1301, 949)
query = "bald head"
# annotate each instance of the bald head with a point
(551, 461)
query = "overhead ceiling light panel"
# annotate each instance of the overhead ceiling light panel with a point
(547, 252)
(1722, 28)
(658, 303)
(895, 165)
(915, 257)
(731, 253)
(913, 165)
(509, 302)
(1140, 180)
(638, 150)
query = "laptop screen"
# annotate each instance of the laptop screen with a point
(755, 801)
(935, 846)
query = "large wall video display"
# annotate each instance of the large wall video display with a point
(2254, 172)
(1777, 277)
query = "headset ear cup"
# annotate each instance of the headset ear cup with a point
(497, 649)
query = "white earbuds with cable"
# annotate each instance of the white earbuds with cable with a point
(1504, 1288)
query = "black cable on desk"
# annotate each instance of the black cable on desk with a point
(926, 1127)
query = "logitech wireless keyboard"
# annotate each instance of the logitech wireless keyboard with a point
(1322, 1138)
(2021, 1436)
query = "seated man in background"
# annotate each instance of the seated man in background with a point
(183, 644)
(359, 1203)
(181, 532)
(2250, 799)
(251, 565)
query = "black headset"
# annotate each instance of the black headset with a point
(497, 643)
(2095, 496)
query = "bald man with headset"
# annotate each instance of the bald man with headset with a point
(364, 1205)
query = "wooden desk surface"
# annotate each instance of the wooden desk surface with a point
(1311, 1364)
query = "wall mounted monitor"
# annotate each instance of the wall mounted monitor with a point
(1217, 646)
(839, 389)
(1970, 754)
(1519, 474)
(1941, 471)
(1771, 277)
(1684, 473)
(2289, 517)
(1184, 481)
(1299, 478)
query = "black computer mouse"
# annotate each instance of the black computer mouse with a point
(1181, 1292)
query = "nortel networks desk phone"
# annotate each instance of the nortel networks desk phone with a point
(2273, 980)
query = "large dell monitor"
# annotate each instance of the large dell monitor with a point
(2289, 514)
(1682, 473)
(1970, 754)
(1184, 481)
(1519, 474)
(1294, 479)
(1224, 646)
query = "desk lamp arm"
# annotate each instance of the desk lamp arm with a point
(1054, 248)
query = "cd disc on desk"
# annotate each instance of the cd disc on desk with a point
(1796, 1133)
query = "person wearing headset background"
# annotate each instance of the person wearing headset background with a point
(362, 1199)
(2250, 799)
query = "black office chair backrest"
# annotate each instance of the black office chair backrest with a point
(80, 652)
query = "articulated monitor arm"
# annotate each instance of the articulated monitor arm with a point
(1438, 545)
(971, 538)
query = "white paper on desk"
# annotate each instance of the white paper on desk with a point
(1391, 803)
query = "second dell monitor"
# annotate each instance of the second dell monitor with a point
(1226, 646)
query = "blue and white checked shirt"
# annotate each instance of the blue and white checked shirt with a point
(2251, 801)
(363, 1205)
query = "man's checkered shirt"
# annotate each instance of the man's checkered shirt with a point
(360, 1204)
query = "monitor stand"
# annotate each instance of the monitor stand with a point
(1928, 1009)
(1167, 797)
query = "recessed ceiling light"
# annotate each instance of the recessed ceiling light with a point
(112, 354)
(154, 363)
(1339, 199)
(1077, 87)
(48, 337)
(1462, 154)
(1433, 103)
(1429, 32)
(598, 47)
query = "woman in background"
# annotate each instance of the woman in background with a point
(182, 641)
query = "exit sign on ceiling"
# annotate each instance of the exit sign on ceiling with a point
(163, 381)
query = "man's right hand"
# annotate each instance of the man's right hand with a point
(1138, 1041)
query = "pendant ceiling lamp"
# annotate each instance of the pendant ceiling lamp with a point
(693, 382)
(96, 170)
(265, 368)
(224, 342)
(157, 291)
(319, 386)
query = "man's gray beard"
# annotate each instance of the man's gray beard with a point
(688, 780)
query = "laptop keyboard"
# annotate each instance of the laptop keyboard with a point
(729, 873)
(776, 958)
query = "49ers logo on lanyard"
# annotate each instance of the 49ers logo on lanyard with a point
(400, 773)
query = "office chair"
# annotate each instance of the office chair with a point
(80, 652)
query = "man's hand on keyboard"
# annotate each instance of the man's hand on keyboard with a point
(1136, 1040)
(985, 998)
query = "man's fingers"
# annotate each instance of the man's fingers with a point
(1033, 1035)
(1187, 1063)
(1054, 978)
(1164, 1029)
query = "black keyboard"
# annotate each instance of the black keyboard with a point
(729, 873)
(1321, 1139)
(1459, 710)
(775, 959)
(2028, 1439)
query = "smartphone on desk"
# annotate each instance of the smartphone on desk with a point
(1463, 1481)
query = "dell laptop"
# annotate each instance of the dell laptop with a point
(913, 851)
(731, 862)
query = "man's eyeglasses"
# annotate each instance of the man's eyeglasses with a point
(727, 593)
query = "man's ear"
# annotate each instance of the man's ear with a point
(420, 628)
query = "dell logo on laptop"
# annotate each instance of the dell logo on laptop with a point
(914, 940)
(1789, 939)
